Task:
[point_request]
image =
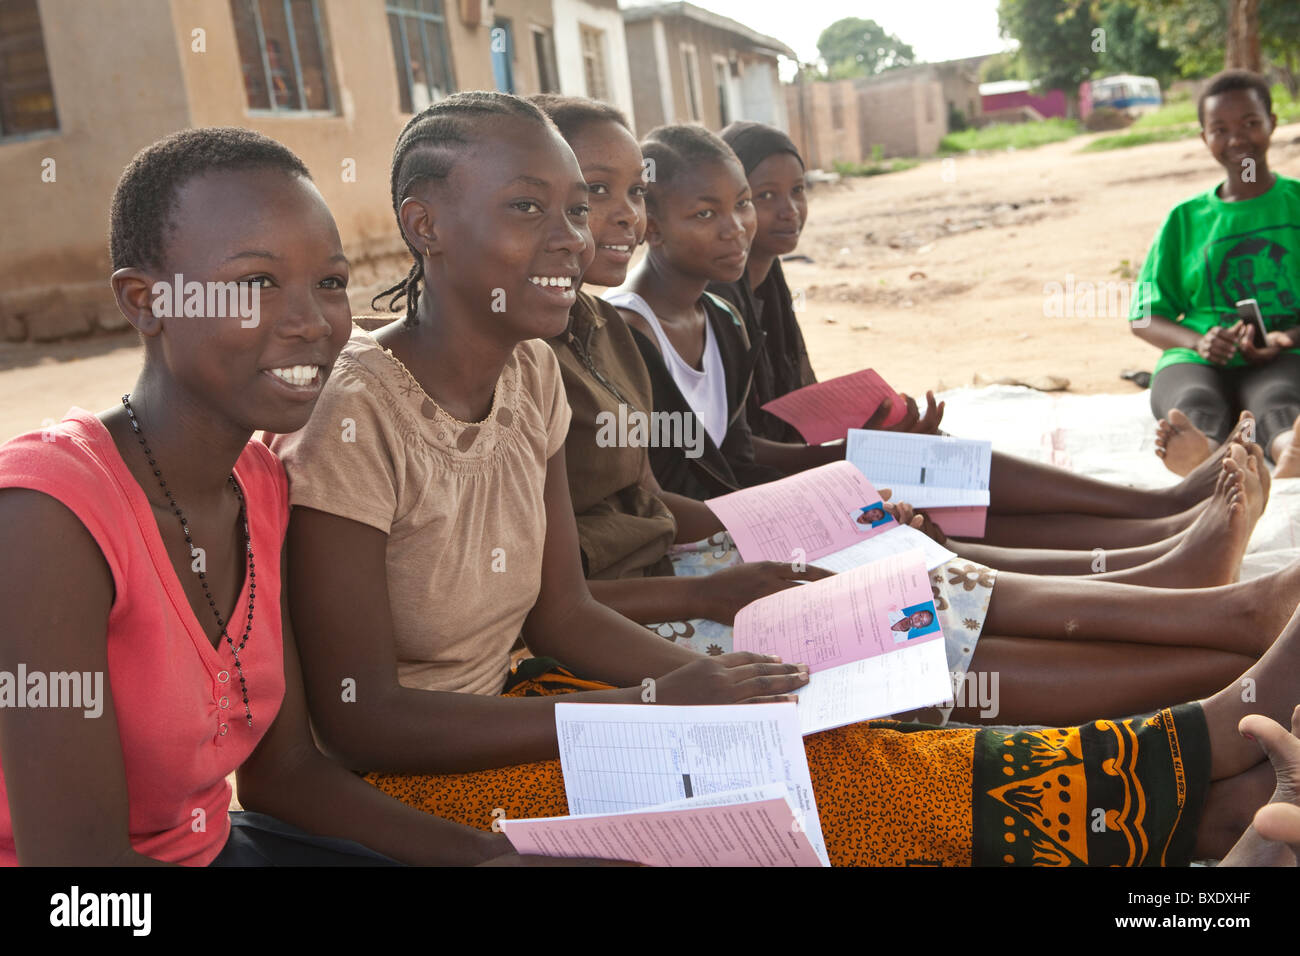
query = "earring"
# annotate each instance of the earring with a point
(426, 251)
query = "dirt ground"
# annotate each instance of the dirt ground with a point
(937, 277)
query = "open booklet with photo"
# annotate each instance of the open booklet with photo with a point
(830, 516)
(947, 477)
(680, 786)
(870, 637)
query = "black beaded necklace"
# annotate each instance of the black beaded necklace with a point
(185, 527)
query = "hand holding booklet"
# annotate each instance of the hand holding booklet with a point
(870, 637)
(946, 476)
(825, 411)
(831, 516)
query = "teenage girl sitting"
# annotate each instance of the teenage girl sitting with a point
(396, 587)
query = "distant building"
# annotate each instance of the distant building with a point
(901, 112)
(84, 86)
(689, 65)
(1006, 101)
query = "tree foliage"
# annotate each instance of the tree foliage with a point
(855, 47)
(1056, 40)
(1132, 43)
(1003, 66)
(1161, 38)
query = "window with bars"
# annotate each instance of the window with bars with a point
(26, 94)
(282, 55)
(419, 33)
(593, 62)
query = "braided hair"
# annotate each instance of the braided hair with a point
(674, 149)
(427, 148)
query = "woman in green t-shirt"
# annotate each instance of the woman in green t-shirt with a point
(1238, 241)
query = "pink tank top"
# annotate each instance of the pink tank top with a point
(179, 709)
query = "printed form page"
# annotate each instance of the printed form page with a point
(618, 757)
(870, 637)
(924, 470)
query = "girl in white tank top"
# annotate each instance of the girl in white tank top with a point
(705, 391)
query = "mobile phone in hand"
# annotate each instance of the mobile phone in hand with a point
(1248, 312)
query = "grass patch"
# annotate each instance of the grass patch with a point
(1183, 112)
(1171, 114)
(1141, 138)
(874, 169)
(1001, 136)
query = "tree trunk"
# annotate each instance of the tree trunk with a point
(1243, 36)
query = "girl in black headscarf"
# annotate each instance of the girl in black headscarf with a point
(775, 172)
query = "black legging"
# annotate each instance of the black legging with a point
(1212, 396)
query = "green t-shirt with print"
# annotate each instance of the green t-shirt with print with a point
(1210, 254)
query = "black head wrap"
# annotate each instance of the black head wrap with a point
(754, 142)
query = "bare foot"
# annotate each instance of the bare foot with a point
(1288, 466)
(1261, 468)
(1200, 481)
(1180, 444)
(1209, 553)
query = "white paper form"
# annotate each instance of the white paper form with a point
(875, 687)
(618, 757)
(926, 471)
(754, 826)
(895, 541)
(870, 637)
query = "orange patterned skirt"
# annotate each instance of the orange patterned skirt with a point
(1108, 793)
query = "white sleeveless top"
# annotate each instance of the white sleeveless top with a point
(706, 391)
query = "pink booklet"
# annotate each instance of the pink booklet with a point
(805, 516)
(960, 522)
(871, 638)
(831, 516)
(825, 411)
(757, 827)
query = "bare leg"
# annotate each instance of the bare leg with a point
(1068, 682)
(1018, 486)
(1209, 553)
(1238, 618)
(1271, 687)
(1229, 807)
(1045, 561)
(1081, 532)
(1206, 554)
(1243, 781)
